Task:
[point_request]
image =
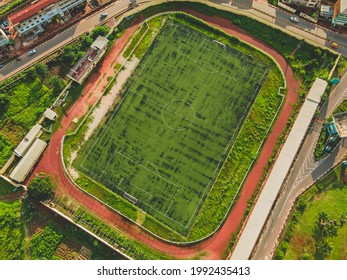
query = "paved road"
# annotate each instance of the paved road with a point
(62, 39)
(261, 10)
(304, 173)
(258, 9)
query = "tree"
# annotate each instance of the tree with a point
(57, 84)
(3, 101)
(100, 31)
(41, 187)
(324, 249)
(41, 70)
(86, 41)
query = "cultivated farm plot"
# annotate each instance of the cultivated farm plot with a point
(163, 146)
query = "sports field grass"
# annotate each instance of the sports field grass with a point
(162, 147)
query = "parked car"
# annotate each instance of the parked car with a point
(103, 15)
(1, 65)
(294, 19)
(31, 52)
(334, 45)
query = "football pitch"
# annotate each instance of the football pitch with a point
(164, 144)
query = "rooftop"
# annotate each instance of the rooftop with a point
(99, 43)
(257, 219)
(340, 121)
(27, 140)
(30, 11)
(50, 114)
(28, 161)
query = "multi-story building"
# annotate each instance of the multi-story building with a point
(340, 13)
(307, 3)
(3, 38)
(36, 16)
(87, 62)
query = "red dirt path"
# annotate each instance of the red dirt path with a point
(51, 161)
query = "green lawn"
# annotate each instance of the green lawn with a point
(302, 238)
(163, 146)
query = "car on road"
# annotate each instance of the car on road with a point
(294, 19)
(103, 15)
(334, 45)
(1, 65)
(31, 52)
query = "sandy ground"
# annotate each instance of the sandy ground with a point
(105, 104)
(107, 101)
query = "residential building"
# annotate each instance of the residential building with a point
(33, 18)
(340, 13)
(326, 11)
(307, 3)
(84, 66)
(3, 38)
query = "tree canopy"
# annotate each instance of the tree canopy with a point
(41, 187)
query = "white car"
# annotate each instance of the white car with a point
(31, 52)
(294, 19)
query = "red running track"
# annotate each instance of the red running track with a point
(52, 165)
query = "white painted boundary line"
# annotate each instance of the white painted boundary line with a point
(283, 88)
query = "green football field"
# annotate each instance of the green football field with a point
(163, 146)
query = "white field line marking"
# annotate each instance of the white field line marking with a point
(222, 158)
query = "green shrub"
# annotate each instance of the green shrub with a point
(41, 187)
(43, 245)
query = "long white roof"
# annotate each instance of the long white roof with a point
(28, 161)
(27, 140)
(252, 230)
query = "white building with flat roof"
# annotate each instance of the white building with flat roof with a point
(252, 230)
(25, 144)
(21, 171)
(50, 114)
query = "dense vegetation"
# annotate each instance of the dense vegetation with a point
(41, 187)
(6, 188)
(43, 245)
(317, 228)
(23, 100)
(73, 52)
(11, 231)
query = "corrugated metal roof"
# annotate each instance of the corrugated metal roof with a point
(50, 114)
(100, 43)
(28, 161)
(27, 140)
(251, 232)
(30, 11)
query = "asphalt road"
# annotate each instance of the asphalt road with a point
(303, 175)
(62, 39)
